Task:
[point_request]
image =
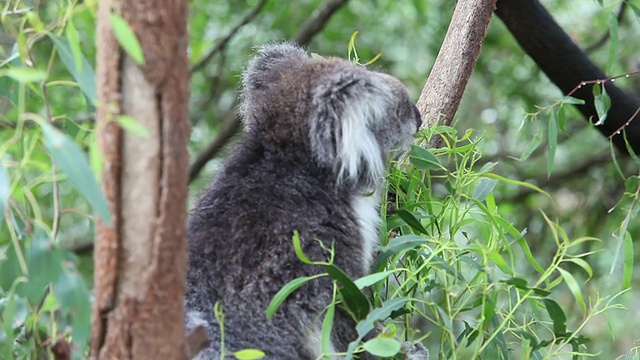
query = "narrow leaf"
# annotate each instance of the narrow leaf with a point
(572, 100)
(423, 159)
(574, 288)
(133, 126)
(372, 279)
(613, 42)
(127, 38)
(83, 75)
(353, 298)
(378, 314)
(74, 44)
(557, 316)
(553, 143)
(297, 247)
(286, 290)
(627, 256)
(602, 102)
(327, 325)
(25, 74)
(69, 158)
(411, 220)
(484, 188)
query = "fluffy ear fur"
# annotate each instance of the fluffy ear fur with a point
(347, 108)
(270, 64)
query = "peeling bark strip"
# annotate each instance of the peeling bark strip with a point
(140, 259)
(443, 90)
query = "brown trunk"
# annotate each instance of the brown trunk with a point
(140, 258)
(443, 90)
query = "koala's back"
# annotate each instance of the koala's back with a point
(241, 250)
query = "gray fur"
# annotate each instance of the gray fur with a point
(318, 133)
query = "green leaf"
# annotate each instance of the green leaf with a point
(297, 247)
(286, 290)
(327, 325)
(602, 102)
(249, 354)
(628, 257)
(14, 55)
(353, 298)
(553, 143)
(25, 74)
(572, 100)
(535, 142)
(574, 288)
(411, 220)
(423, 159)
(635, 8)
(382, 346)
(74, 44)
(562, 120)
(4, 190)
(499, 261)
(69, 158)
(127, 38)
(613, 42)
(365, 326)
(516, 182)
(45, 266)
(84, 74)
(396, 246)
(132, 125)
(372, 279)
(73, 296)
(484, 188)
(557, 316)
(583, 264)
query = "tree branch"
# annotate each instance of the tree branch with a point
(225, 39)
(443, 90)
(567, 66)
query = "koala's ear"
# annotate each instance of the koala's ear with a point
(266, 68)
(271, 58)
(348, 108)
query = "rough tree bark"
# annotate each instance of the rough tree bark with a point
(140, 258)
(567, 66)
(458, 54)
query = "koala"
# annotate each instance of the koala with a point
(318, 134)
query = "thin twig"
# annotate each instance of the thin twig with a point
(229, 128)
(562, 178)
(317, 21)
(225, 39)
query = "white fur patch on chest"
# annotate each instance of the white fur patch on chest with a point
(366, 209)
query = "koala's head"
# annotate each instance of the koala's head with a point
(347, 118)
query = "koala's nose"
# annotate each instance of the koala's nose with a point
(418, 118)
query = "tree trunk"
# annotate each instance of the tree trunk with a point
(140, 258)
